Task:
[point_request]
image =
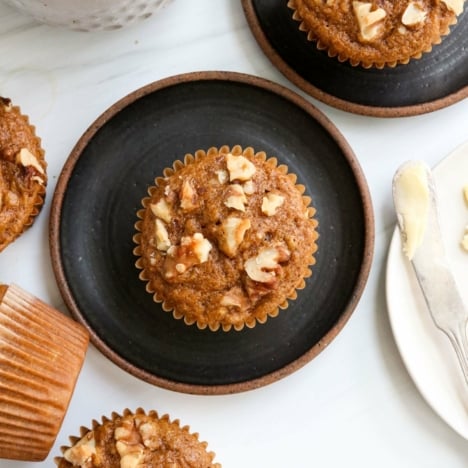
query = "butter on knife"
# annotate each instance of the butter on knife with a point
(411, 199)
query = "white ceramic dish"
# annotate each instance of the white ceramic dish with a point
(89, 15)
(425, 350)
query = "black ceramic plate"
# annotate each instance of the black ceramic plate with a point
(108, 173)
(438, 79)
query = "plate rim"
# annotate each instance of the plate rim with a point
(330, 99)
(106, 116)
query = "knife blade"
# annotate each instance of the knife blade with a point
(413, 183)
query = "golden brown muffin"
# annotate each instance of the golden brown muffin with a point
(226, 238)
(136, 440)
(23, 176)
(41, 355)
(376, 32)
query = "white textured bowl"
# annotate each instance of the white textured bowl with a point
(89, 15)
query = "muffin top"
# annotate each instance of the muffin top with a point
(376, 32)
(225, 238)
(137, 440)
(22, 173)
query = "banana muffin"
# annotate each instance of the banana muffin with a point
(136, 440)
(376, 33)
(225, 238)
(23, 176)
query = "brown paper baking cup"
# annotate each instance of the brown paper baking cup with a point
(33, 201)
(173, 440)
(341, 55)
(260, 316)
(41, 355)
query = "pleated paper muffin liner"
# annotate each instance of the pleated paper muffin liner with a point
(32, 201)
(143, 438)
(212, 319)
(343, 56)
(41, 355)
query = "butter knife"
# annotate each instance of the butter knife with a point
(413, 183)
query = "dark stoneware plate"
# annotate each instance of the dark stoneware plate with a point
(108, 173)
(438, 79)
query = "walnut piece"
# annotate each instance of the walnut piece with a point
(188, 196)
(82, 451)
(222, 175)
(465, 194)
(233, 230)
(162, 237)
(128, 443)
(26, 158)
(454, 5)
(370, 21)
(414, 14)
(239, 167)
(192, 250)
(236, 197)
(249, 187)
(200, 246)
(265, 266)
(271, 202)
(162, 210)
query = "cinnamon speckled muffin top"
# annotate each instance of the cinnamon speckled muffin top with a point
(137, 440)
(226, 238)
(376, 32)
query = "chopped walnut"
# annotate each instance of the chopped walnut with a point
(162, 210)
(454, 5)
(264, 268)
(233, 232)
(236, 197)
(239, 167)
(162, 237)
(223, 176)
(271, 202)
(81, 453)
(150, 435)
(188, 196)
(128, 443)
(192, 250)
(26, 158)
(200, 246)
(414, 14)
(132, 460)
(370, 21)
(249, 187)
(465, 194)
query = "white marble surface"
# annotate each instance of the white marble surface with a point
(355, 404)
